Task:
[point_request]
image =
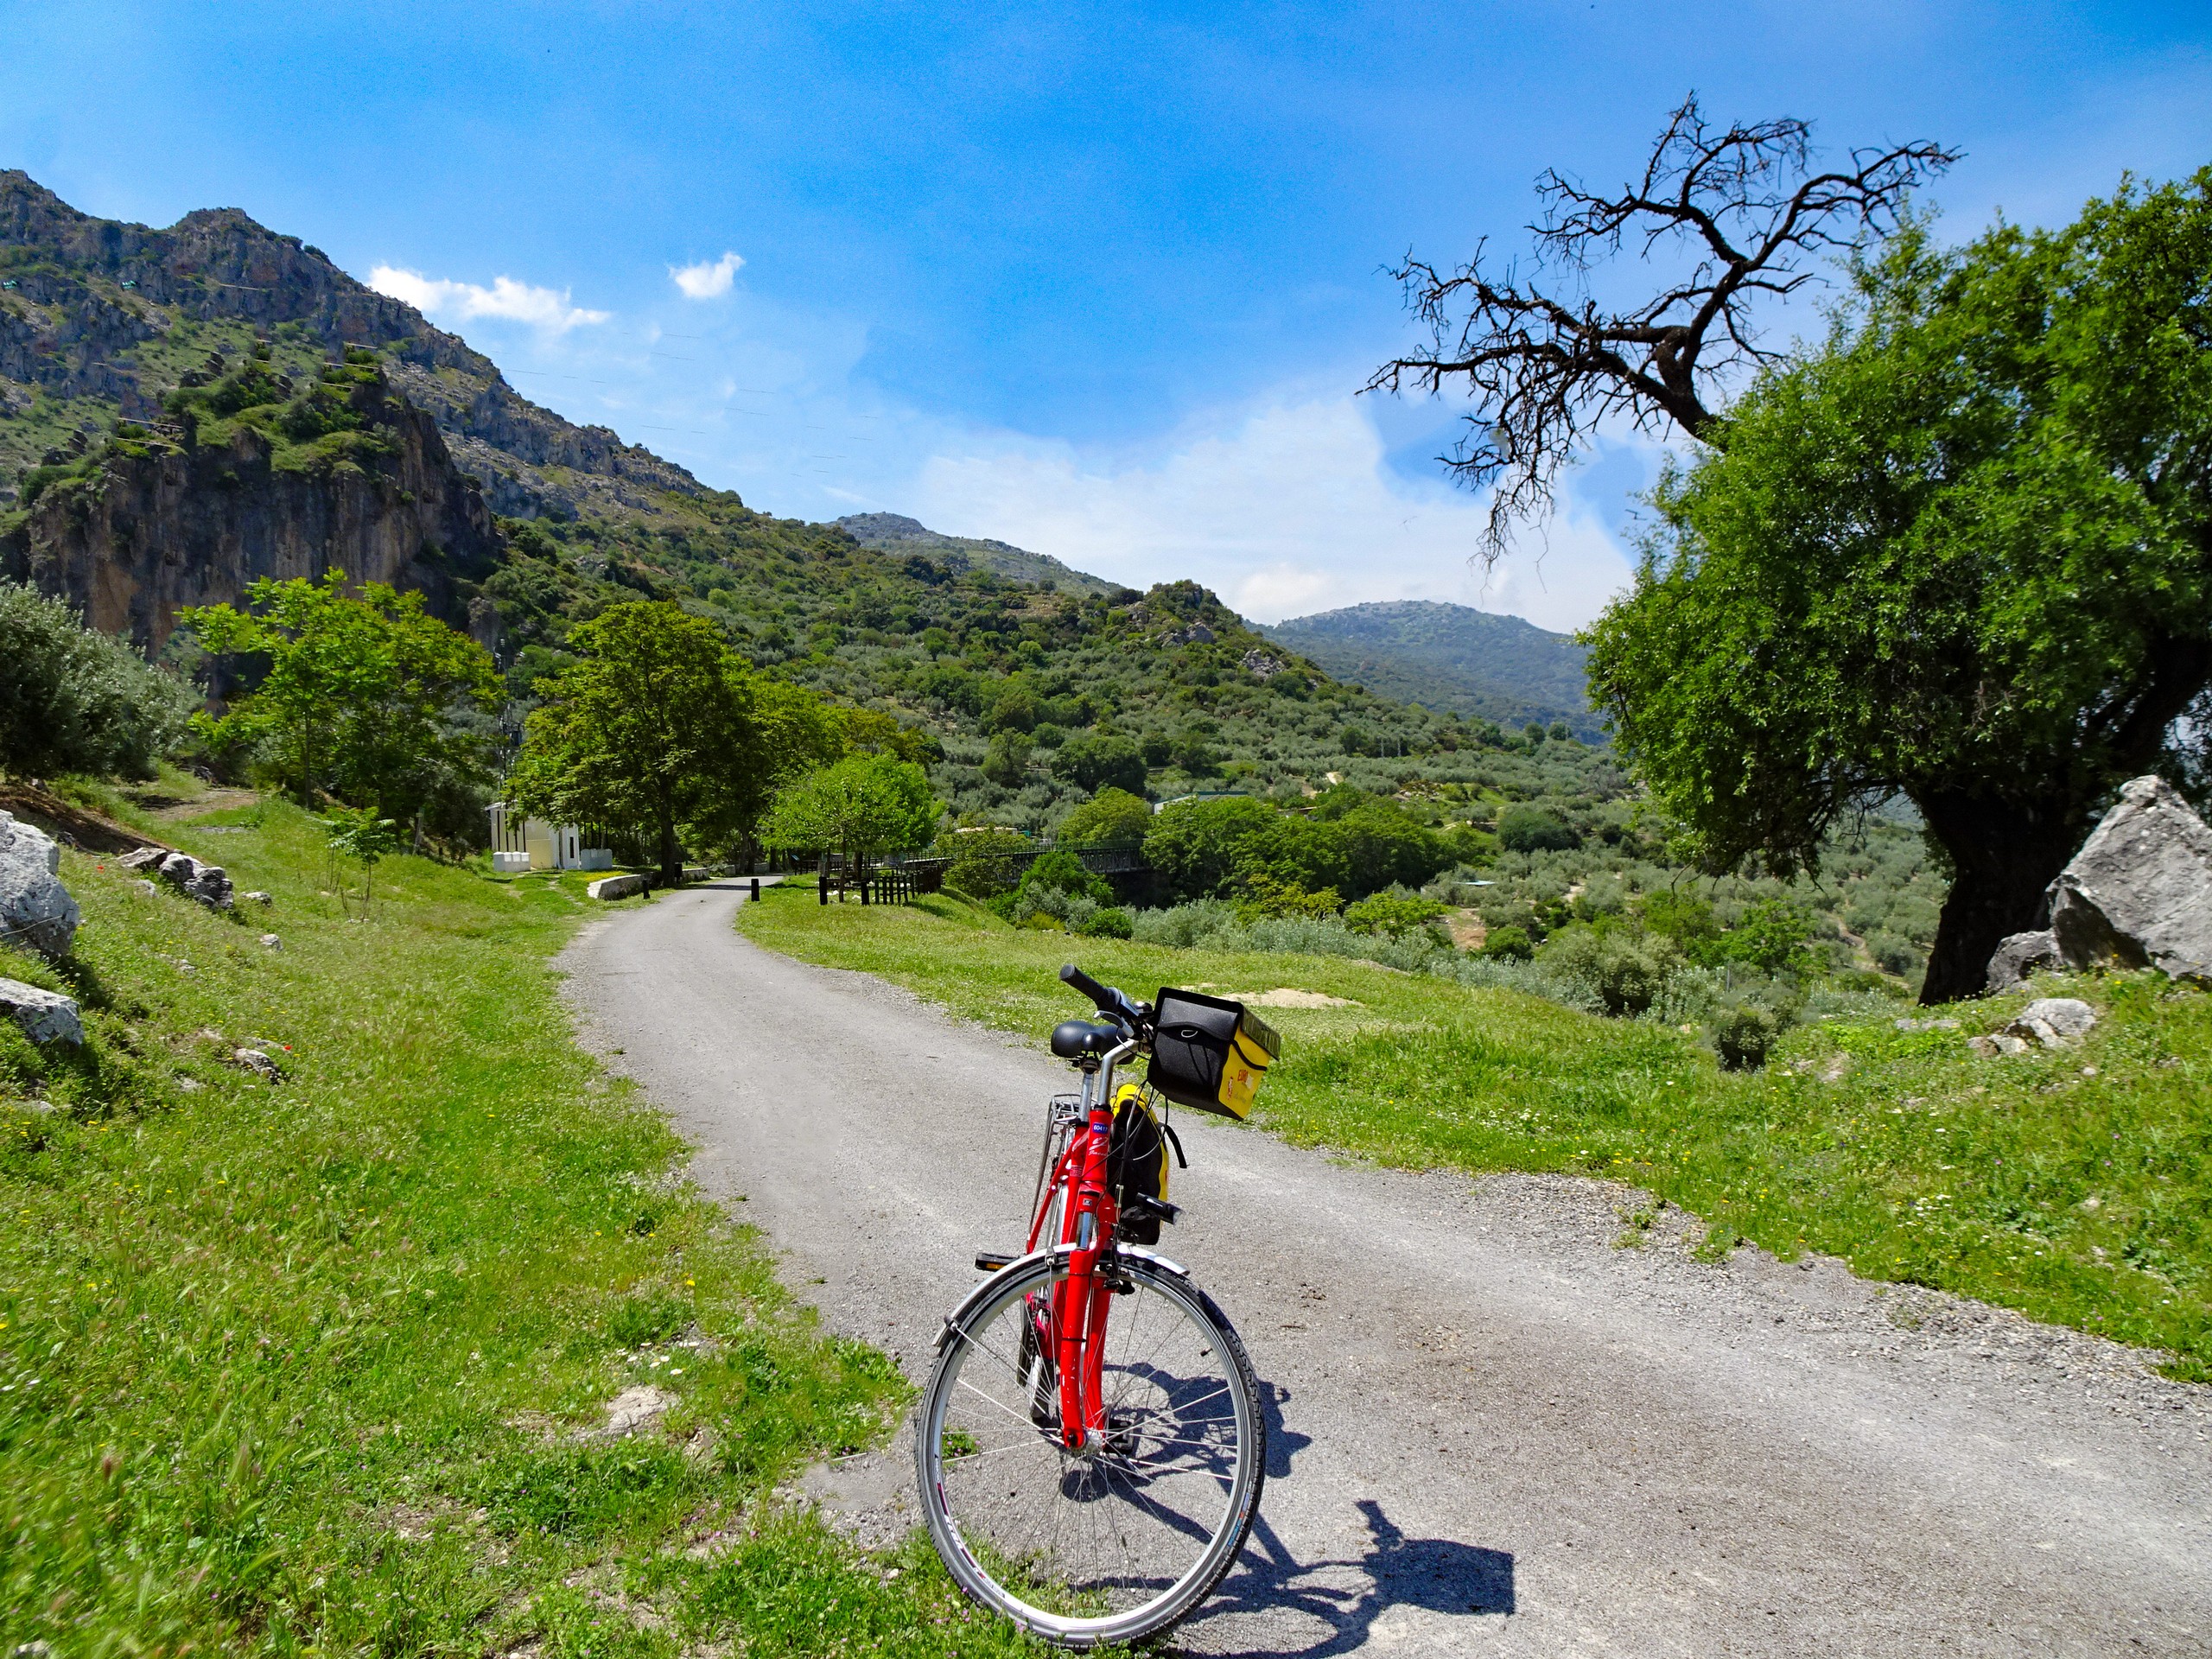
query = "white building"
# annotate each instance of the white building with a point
(534, 844)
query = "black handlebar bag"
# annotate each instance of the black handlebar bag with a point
(1209, 1053)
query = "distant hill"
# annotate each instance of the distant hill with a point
(1451, 658)
(893, 532)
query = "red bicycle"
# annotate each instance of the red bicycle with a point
(1091, 1446)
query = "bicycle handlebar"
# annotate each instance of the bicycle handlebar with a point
(1072, 974)
(1113, 1004)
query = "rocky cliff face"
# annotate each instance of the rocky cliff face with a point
(90, 309)
(154, 522)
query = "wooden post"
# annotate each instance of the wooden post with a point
(822, 880)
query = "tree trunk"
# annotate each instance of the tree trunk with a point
(2003, 855)
(671, 855)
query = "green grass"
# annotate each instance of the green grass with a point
(2075, 1185)
(303, 1366)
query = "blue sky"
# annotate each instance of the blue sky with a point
(1098, 281)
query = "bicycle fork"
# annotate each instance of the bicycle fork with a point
(1081, 1299)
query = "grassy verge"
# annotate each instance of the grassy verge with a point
(313, 1364)
(2075, 1185)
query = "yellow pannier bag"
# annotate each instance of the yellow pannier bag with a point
(1209, 1053)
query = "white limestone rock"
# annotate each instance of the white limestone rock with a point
(2139, 892)
(45, 1016)
(36, 909)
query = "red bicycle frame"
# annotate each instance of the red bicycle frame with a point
(1075, 1332)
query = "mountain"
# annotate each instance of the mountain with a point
(894, 533)
(184, 411)
(1450, 658)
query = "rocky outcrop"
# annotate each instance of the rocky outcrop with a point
(100, 288)
(45, 1016)
(2139, 894)
(163, 526)
(36, 909)
(209, 884)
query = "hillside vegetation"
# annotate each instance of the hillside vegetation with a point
(317, 1365)
(1451, 658)
(2071, 1184)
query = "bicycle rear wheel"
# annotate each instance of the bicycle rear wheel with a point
(1122, 1539)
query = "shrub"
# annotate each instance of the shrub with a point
(1109, 922)
(1624, 969)
(72, 699)
(1263, 895)
(1062, 870)
(1392, 913)
(1743, 1033)
(1687, 919)
(1526, 828)
(1507, 943)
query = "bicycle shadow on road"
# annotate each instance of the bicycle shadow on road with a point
(1345, 1598)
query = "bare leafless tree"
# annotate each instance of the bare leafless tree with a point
(1543, 364)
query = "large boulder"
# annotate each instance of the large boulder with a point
(45, 1016)
(2139, 892)
(36, 909)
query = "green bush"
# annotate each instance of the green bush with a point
(1109, 922)
(1624, 969)
(72, 699)
(1507, 943)
(1742, 1034)
(1526, 828)
(1393, 913)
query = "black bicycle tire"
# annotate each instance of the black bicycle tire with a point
(1190, 1594)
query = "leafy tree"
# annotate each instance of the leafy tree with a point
(1211, 849)
(1005, 759)
(1100, 763)
(1961, 553)
(362, 695)
(1376, 846)
(1110, 815)
(72, 699)
(863, 806)
(1526, 828)
(656, 721)
(1193, 847)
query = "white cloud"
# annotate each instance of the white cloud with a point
(705, 280)
(1283, 508)
(541, 308)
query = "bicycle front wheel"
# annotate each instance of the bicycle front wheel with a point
(1122, 1539)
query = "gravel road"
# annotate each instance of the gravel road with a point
(1494, 1430)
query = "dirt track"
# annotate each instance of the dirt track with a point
(1494, 1432)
